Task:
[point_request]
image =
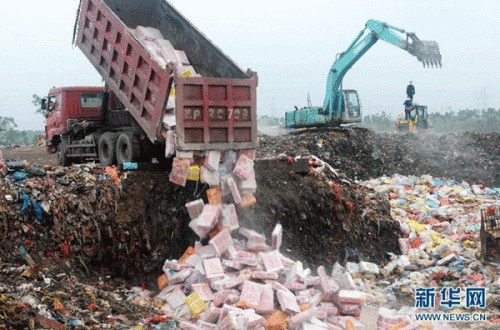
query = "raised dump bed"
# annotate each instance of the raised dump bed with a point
(214, 110)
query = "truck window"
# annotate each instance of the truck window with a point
(91, 100)
(54, 102)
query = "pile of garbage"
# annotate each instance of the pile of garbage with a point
(70, 235)
(42, 207)
(441, 223)
(324, 218)
(86, 226)
(238, 281)
(361, 154)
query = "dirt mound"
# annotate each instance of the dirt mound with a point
(81, 215)
(323, 220)
(363, 154)
(94, 228)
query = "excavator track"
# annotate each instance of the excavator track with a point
(300, 131)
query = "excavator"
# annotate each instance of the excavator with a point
(342, 106)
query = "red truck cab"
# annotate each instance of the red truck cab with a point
(70, 103)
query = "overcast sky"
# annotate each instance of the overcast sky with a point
(291, 44)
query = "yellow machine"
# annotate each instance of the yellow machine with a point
(490, 230)
(419, 120)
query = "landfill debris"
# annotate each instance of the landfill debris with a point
(342, 232)
(358, 153)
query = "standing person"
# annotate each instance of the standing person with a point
(408, 107)
(410, 90)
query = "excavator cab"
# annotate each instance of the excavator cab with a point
(352, 106)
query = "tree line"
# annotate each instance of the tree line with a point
(11, 136)
(485, 120)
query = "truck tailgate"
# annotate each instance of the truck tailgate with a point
(216, 113)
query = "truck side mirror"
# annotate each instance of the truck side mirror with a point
(43, 104)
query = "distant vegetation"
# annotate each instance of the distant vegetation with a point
(451, 121)
(10, 135)
(267, 121)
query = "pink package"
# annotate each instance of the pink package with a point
(246, 258)
(272, 262)
(266, 303)
(261, 275)
(233, 188)
(195, 208)
(250, 294)
(312, 281)
(178, 174)
(212, 160)
(170, 144)
(250, 153)
(287, 301)
(203, 325)
(243, 168)
(213, 268)
(300, 318)
(209, 216)
(198, 230)
(209, 177)
(352, 297)
(349, 309)
(229, 217)
(221, 241)
(323, 279)
(277, 237)
(146, 33)
(235, 281)
(249, 184)
(252, 235)
(204, 291)
(211, 314)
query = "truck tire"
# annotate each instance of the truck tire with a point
(107, 149)
(62, 158)
(128, 148)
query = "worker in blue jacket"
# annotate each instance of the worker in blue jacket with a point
(410, 90)
(408, 107)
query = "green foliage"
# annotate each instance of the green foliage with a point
(7, 124)
(9, 135)
(37, 102)
(485, 120)
(379, 122)
(266, 121)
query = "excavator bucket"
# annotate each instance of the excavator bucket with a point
(426, 52)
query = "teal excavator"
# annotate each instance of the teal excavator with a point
(342, 106)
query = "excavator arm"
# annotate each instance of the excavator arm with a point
(426, 52)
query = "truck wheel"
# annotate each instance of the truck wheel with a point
(62, 159)
(107, 149)
(128, 148)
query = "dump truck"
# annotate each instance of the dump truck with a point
(167, 86)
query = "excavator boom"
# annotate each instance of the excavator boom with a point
(343, 106)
